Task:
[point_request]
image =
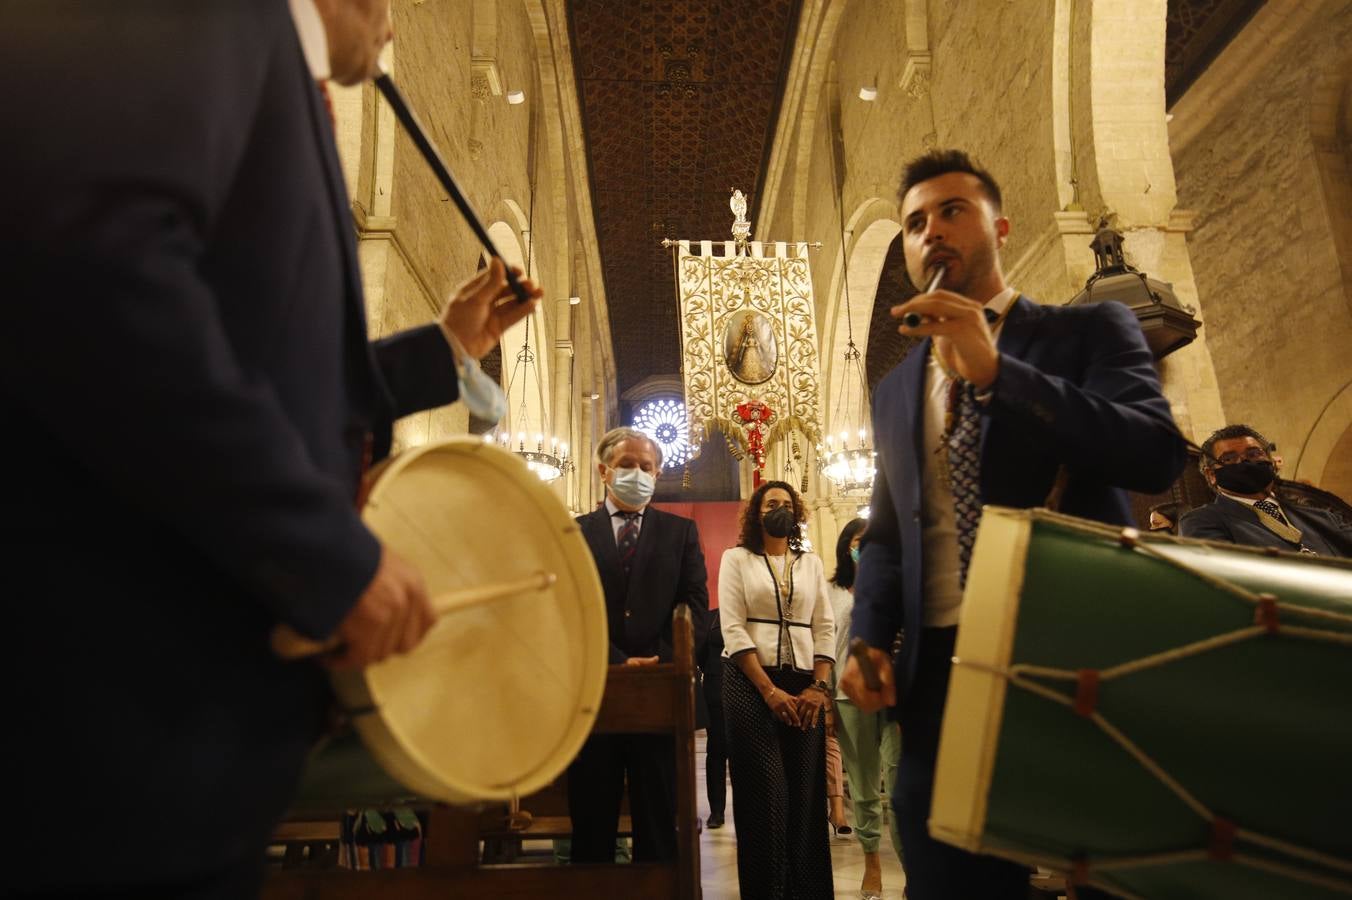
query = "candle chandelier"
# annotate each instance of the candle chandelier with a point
(543, 453)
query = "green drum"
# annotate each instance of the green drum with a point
(1156, 717)
(342, 775)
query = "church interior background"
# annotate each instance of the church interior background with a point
(596, 136)
(1215, 135)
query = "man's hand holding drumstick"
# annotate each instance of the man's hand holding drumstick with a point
(962, 336)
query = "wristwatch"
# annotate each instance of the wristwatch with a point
(821, 686)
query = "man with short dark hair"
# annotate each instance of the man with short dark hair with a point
(1003, 401)
(649, 561)
(1238, 463)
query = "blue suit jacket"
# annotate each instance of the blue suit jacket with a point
(1226, 519)
(187, 386)
(1077, 386)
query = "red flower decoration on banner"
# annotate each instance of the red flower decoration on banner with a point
(755, 415)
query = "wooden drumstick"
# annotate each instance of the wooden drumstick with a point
(859, 650)
(289, 644)
(416, 133)
(915, 320)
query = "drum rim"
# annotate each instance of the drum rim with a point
(404, 762)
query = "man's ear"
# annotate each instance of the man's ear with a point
(1001, 231)
(601, 470)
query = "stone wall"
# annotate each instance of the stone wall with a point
(455, 63)
(1273, 230)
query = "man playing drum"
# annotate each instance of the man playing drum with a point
(186, 374)
(1004, 401)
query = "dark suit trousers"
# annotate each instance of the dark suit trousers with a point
(716, 744)
(934, 870)
(596, 782)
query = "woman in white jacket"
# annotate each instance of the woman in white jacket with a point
(779, 645)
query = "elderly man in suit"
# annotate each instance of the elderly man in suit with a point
(1238, 463)
(649, 561)
(1001, 402)
(191, 395)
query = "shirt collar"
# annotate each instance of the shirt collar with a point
(1000, 303)
(314, 41)
(1248, 501)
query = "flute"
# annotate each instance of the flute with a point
(429, 152)
(914, 319)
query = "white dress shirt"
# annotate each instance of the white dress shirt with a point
(939, 528)
(314, 41)
(794, 628)
(617, 522)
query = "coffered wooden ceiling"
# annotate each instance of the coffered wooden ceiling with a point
(679, 102)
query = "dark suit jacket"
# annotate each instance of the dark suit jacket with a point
(1229, 520)
(668, 569)
(187, 386)
(1076, 386)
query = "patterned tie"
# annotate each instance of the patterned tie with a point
(627, 542)
(1271, 509)
(964, 470)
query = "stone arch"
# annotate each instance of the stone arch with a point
(1325, 458)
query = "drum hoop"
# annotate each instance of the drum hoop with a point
(408, 763)
(967, 749)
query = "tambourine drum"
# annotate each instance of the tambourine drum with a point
(500, 695)
(1157, 717)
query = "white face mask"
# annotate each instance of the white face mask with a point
(632, 487)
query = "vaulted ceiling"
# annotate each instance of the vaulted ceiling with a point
(679, 103)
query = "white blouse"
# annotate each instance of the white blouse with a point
(788, 624)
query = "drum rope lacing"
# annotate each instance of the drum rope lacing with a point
(1268, 611)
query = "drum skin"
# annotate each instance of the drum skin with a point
(1258, 732)
(498, 699)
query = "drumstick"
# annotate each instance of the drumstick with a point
(288, 644)
(859, 650)
(913, 319)
(415, 130)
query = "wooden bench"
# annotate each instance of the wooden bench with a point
(638, 700)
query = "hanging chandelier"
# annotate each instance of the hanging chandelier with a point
(543, 453)
(847, 459)
(849, 465)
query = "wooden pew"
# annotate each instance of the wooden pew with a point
(638, 700)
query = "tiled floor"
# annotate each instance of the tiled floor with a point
(718, 853)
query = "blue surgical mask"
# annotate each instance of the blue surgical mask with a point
(632, 487)
(854, 554)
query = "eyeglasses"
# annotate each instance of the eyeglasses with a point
(1252, 454)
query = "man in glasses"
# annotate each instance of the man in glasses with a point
(1238, 463)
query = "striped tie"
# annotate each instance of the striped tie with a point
(628, 540)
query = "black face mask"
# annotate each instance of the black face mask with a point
(1246, 477)
(779, 521)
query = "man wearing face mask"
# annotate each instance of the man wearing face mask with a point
(1237, 462)
(649, 561)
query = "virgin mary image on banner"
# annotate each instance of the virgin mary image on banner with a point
(749, 347)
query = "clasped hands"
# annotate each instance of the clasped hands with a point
(801, 711)
(962, 337)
